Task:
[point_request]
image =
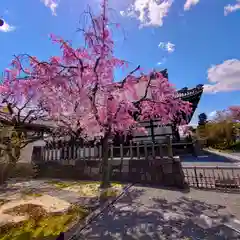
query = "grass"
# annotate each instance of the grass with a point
(90, 189)
(60, 184)
(29, 193)
(63, 184)
(40, 225)
(109, 193)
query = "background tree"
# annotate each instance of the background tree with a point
(202, 119)
(222, 131)
(18, 109)
(234, 113)
(79, 92)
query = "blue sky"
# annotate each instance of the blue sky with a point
(197, 40)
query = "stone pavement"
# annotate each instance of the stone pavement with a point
(150, 213)
(231, 156)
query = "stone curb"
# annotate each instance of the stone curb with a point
(234, 225)
(231, 157)
(96, 213)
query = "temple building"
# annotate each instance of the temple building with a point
(156, 133)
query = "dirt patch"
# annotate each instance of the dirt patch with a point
(40, 224)
(3, 201)
(32, 210)
(42, 209)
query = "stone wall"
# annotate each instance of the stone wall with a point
(19, 171)
(163, 172)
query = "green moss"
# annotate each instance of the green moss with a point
(31, 194)
(109, 193)
(60, 184)
(40, 226)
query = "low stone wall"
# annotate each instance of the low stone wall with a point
(163, 172)
(20, 171)
(67, 171)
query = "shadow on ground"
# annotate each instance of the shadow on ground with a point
(138, 215)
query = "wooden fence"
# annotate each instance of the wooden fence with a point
(63, 151)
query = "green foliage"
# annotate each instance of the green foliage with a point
(40, 225)
(220, 134)
(235, 146)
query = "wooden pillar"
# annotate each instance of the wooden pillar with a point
(169, 146)
(152, 130)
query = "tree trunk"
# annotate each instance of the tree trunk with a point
(8, 166)
(105, 183)
(5, 172)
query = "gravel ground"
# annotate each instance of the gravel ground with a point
(151, 213)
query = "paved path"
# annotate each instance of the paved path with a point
(208, 157)
(150, 213)
(232, 156)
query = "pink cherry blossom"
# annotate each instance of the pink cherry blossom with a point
(78, 91)
(235, 112)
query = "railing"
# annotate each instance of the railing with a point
(213, 177)
(65, 151)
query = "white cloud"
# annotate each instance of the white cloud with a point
(169, 47)
(212, 114)
(189, 3)
(52, 4)
(149, 12)
(224, 77)
(6, 27)
(162, 61)
(232, 8)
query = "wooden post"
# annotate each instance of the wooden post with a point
(160, 150)
(100, 152)
(145, 151)
(153, 150)
(138, 151)
(152, 130)
(121, 163)
(131, 150)
(169, 146)
(111, 151)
